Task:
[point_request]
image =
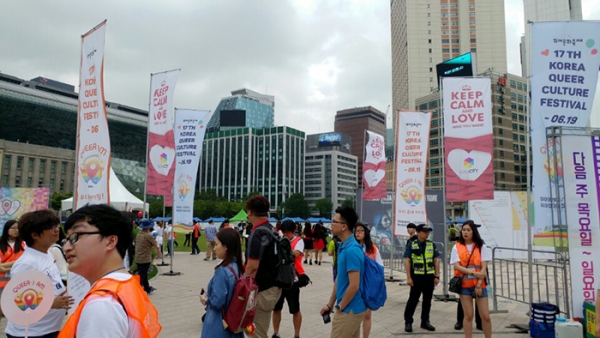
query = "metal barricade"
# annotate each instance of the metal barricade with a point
(392, 256)
(510, 279)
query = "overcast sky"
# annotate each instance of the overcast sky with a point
(315, 57)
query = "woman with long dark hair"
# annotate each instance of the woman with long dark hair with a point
(11, 248)
(308, 242)
(319, 235)
(470, 258)
(228, 248)
(362, 233)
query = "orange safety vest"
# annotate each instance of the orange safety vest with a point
(372, 255)
(7, 257)
(133, 298)
(469, 281)
(298, 259)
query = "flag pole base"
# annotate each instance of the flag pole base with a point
(171, 273)
(446, 298)
(162, 264)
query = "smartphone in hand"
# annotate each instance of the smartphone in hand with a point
(326, 318)
(202, 292)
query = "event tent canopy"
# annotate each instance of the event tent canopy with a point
(241, 216)
(120, 197)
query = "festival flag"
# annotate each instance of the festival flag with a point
(161, 144)
(374, 168)
(190, 128)
(412, 148)
(93, 141)
(468, 139)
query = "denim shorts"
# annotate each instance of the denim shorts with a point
(471, 292)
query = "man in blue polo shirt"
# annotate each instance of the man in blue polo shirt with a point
(350, 307)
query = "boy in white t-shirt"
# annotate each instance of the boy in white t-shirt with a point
(97, 239)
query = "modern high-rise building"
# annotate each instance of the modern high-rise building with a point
(330, 169)
(238, 161)
(425, 33)
(355, 122)
(244, 108)
(509, 113)
(545, 10)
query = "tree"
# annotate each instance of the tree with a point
(296, 206)
(56, 199)
(324, 206)
(349, 202)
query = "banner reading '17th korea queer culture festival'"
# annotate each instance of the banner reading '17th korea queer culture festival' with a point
(161, 144)
(190, 127)
(93, 142)
(468, 139)
(374, 167)
(564, 74)
(412, 148)
(581, 159)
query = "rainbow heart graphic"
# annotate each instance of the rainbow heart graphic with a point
(411, 195)
(183, 189)
(28, 299)
(9, 207)
(92, 169)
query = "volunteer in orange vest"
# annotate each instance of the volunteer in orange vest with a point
(11, 248)
(470, 258)
(362, 233)
(116, 305)
(292, 296)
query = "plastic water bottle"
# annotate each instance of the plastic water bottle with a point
(567, 328)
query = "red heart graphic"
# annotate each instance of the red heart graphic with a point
(546, 52)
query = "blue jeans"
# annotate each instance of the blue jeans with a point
(471, 292)
(170, 246)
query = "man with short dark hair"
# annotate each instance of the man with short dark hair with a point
(116, 305)
(350, 308)
(211, 236)
(411, 228)
(261, 262)
(422, 274)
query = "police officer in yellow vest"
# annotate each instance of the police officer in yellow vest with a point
(422, 274)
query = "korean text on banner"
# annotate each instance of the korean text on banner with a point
(412, 148)
(564, 71)
(190, 127)
(374, 167)
(93, 141)
(468, 139)
(161, 144)
(581, 158)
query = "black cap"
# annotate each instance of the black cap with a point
(411, 226)
(423, 227)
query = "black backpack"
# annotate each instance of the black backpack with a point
(286, 272)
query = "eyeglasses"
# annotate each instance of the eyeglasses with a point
(74, 237)
(333, 221)
(54, 227)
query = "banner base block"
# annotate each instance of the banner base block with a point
(171, 273)
(446, 298)
(521, 328)
(162, 264)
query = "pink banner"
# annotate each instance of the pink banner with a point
(374, 168)
(161, 142)
(93, 141)
(468, 139)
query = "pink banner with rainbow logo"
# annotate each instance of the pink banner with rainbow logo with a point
(15, 202)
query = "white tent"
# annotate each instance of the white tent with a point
(120, 197)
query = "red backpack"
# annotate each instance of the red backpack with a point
(242, 306)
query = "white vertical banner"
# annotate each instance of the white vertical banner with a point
(564, 75)
(412, 149)
(190, 128)
(93, 141)
(581, 161)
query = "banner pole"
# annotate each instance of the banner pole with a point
(393, 232)
(147, 144)
(362, 195)
(162, 255)
(529, 225)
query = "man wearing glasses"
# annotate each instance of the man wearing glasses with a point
(97, 239)
(350, 307)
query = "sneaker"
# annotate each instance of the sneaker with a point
(205, 259)
(310, 262)
(214, 258)
(305, 261)
(275, 335)
(319, 263)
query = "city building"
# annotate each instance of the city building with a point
(355, 122)
(244, 108)
(425, 33)
(545, 10)
(509, 113)
(330, 169)
(238, 161)
(38, 127)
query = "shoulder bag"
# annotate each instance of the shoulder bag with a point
(455, 284)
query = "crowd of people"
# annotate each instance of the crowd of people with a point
(113, 251)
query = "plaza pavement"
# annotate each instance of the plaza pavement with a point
(180, 310)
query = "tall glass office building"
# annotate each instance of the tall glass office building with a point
(238, 161)
(38, 126)
(244, 108)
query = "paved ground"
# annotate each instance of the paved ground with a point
(176, 299)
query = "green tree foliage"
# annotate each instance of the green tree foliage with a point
(296, 206)
(349, 202)
(324, 206)
(57, 197)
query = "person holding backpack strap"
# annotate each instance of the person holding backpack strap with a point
(363, 237)
(221, 286)
(262, 262)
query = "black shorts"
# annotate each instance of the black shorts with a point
(308, 244)
(292, 296)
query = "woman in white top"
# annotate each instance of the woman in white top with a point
(59, 256)
(470, 258)
(159, 235)
(363, 236)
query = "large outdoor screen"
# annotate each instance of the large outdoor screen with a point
(233, 118)
(462, 65)
(330, 139)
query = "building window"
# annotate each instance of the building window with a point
(63, 168)
(29, 182)
(5, 180)
(42, 166)
(52, 167)
(31, 161)
(500, 142)
(500, 131)
(41, 182)
(7, 162)
(18, 181)
(19, 162)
